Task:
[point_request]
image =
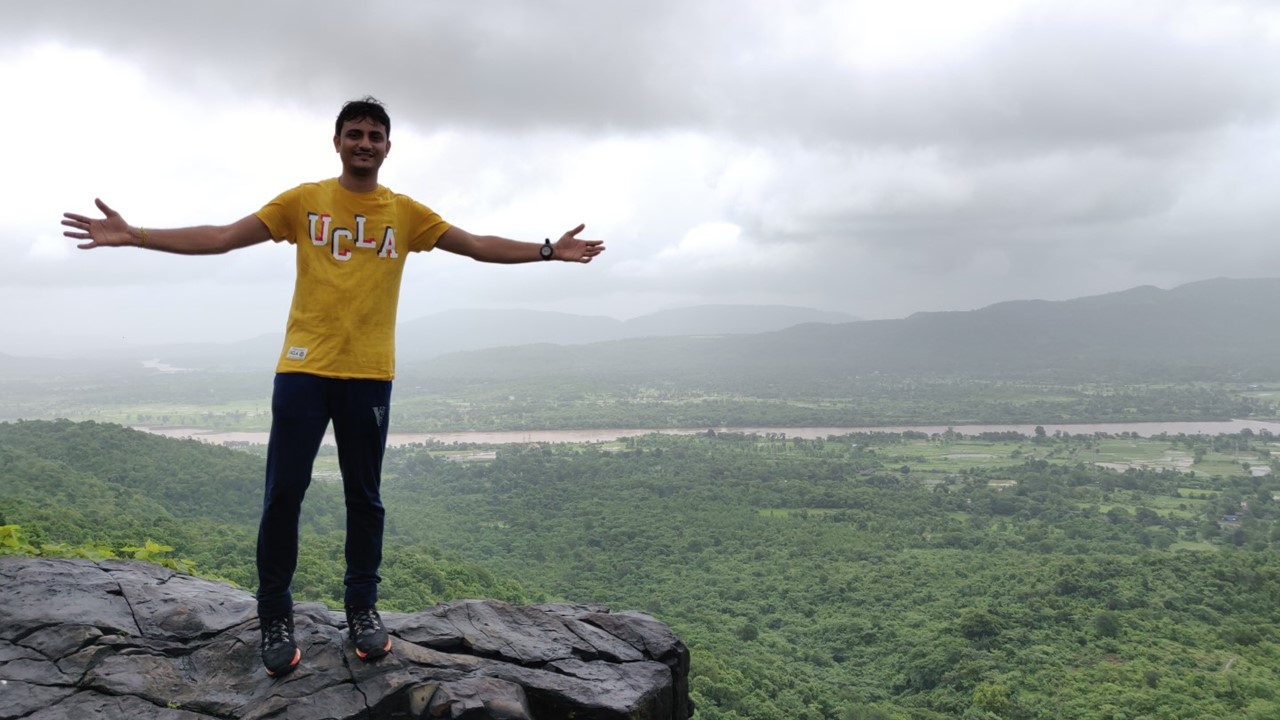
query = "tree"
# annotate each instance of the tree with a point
(992, 698)
(1107, 623)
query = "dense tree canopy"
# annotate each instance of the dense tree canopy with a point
(876, 575)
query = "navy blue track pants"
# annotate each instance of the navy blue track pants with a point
(301, 408)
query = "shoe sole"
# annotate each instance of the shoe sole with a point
(375, 654)
(297, 656)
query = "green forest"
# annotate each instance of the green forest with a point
(893, 576)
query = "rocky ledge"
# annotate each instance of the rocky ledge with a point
(124, 639)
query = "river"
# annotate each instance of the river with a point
(1143, 429)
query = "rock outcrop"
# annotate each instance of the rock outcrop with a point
(124, 639)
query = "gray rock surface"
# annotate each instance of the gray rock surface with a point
(125, 639)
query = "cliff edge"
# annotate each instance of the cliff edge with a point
(126, 639)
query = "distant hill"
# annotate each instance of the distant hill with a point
(1209, 328)
(15, 367)
(1220, 329)
(727, 320)
(1213, 329)
(461, 330)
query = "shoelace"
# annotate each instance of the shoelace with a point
(277, 632)
(366, 621)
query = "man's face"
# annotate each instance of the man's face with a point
(362, 145)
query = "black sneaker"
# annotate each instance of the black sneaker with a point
(366, 630)
(280, 654)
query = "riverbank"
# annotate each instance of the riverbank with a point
(1142, 429)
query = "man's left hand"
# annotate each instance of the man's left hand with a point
(570, 248)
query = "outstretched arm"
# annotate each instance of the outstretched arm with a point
(494, 249)
(112, 231)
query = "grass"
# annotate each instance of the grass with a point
(958, 455)
(326, 465)
(1193, 546)
(1193, 493)
(1218, 466)
(794, 512)
(1163, 505)
(927, 456)
(242, 415)
(1180, 507)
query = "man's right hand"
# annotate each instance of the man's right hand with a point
(109, 231)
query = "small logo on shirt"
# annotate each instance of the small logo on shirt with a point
(379, 414)
(296, 353)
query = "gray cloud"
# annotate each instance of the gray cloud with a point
(1062, 73)
(1064, 148)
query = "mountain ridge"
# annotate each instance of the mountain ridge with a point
(1215, 329)
(1212, 329)
(473, 329)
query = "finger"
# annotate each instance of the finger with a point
(77, 235)
(103, 207)
(88, 246)
(71, 218)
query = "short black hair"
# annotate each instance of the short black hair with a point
(366, 108)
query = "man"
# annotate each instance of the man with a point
(352, 237)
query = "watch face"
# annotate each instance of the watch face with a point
(546, 252)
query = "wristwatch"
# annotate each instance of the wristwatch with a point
(546, 250)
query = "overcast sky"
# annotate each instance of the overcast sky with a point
(877, 158)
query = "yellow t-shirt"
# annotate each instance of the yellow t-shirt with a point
(351, 249)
